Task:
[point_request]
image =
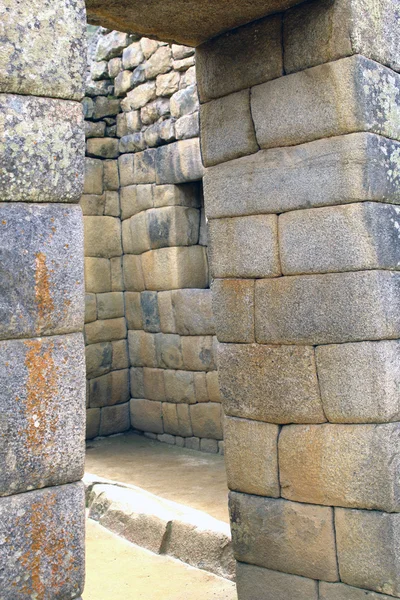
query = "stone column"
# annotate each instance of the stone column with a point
(42, 372)
(299, 121)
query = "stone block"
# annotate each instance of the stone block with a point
(166, 438)
(227, 129)
(341, 465)
(42, 276)
(193, 312)
(192, 443)
(114, 67)
(137, 385)
(133, 311)
(179, 387)
(132, 143)
(179, 162)
(244, 247)
(200, 387)
(146, 415)
(339, 238)
(106, 106)
(331, 308)
(115, 419)
(198, 353)
(95, 130)
(135, 199)
(186, 194)
(167, 130)
(133, 273)
(120, 359)
(102, 236)
(233, 309)
(105, 331)
(344, 96)
(284, 536)
(92, 204)
(111, 175)
(104, 147)
(148, 46)
(167, 84)
(341, 591)
(123, 83)
(367, 549)
(112, 44)
(187, 127)
(150, 314)
(359, 382)
(111, 207)
(92, 423)
(206, 420)
(357, 167)
(153, 382)
(277, 384)
(169, 351)
(141, 95)
(94, 170)
(210, 446)
(98, 88)
(97, 275)
(125, 168)
(90, 308)
(173, 226)
(110, 305)
(184, 102)
(144, 166)
(239, 59)
(256, 582)
(142, 349)
(184, 420)
(166, 312)
(110, 389)
(98, 359)
(248, 469)
(159, 62)
(175, 268)
(51, 520)
(132, 56)
(117, 280)
(42, 394)
(135, 234)
(213, 386)
(170, 418)
(41, 153)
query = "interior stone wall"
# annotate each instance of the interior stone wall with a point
(150, 345)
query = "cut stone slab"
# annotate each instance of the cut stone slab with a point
(102, 236)
(114, 419)
(341, 591)
(287, 536)
(193, 312)
(355, 167)
(256, 582)
(233, 308)
(42, 149)
(179, 162)
(42, 270)
(276, 384)
(173, 226)
(175, 268)
(42, 394)
(146, 415)
(52, 520)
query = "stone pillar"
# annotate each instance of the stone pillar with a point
(299, 121)
(42, 372)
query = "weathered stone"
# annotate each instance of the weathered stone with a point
(135, 234)
(136, 380)
(133, 311)
(367, 549)
(141, 95)
(179, 387)
(117, 283)
(170, 418)
(52, 520)
(97, 275)
(142, 349)
(90, 308)
(344, 96)
(166, 438)
(125, 166)
(286, 536)
(144, 167)
(120, 359)
(150, 314)
(110, 305)
(132, 56)
(213, 386)
(200, 387)
(146, 415)
(173, 226)
(270, 383)
(159, 62)
(111, 207)
(123, 83)
(227, 129)
(106, 107)
(179, 51)
(153, 382)
(187, 127)
(167, 130)
(328, 309)
(112, 44)
(183, 63)
(248, 469)
(111, 175)
(92, 204)
(114, 67)
(169, 351)
(94, 130)
(42, 270)
(341, 591)
(193, 443)
(110, 389)
(340, 238)
(255, 582)
(92, 423)
(135, 199)
(193, 312)
(184, 102)
(115, 419)
(102, 147)
(149, 113)
(41, 156)
(99, 70)
(233, 309)
(133, 275)
(93, 176)
(98, 359)
(356, 167)
(210, 446)
(102, 237)
(341, 465)
(105, 331)
(198, 353)
(167, 84)
(179, 162)
(188, 78)
(359, 382)
(152, 135)
(98, 88)
(148, 46)
(186, 194)
(43, 401)
(175, 268)
(206, 420)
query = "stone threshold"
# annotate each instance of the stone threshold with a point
(160, 525)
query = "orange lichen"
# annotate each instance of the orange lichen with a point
(43, 296)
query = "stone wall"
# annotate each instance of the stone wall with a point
(150, 345)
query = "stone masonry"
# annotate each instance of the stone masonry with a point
(150, 334)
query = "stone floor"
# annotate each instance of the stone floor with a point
(118, 570)
(188, 477)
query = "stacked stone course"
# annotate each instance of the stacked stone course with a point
(150, 334)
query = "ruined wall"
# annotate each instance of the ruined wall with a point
(151, 350)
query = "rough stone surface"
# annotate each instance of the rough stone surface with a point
(115, 419)
(133, 273)
(193, 312)
(105, 331)
(331, 308)
(286, 536)
(256, 582)
(41, 149)
(110, 305)
(146, 415)
(102, 236)
(112, 44)
(179, 387)
(110, 389)
(97, 275)
(92, 423)
(206, 420)
(179, 162)
(42, 270)
(175, 268)
(142, 349)
(341, 591)
(270, 383)
(198, 353)
(233, 308)
(52, 520)
(341, 465)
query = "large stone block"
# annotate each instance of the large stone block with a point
(48, 59)
(92, 204)
(239, 59)
(186, 194)
(169, 351)
(92, 423)
(153, 383)
(339, 238)
(42, 394)
(142, 349)
(175, 268)
(256, 583)
(137, 383)
(179, 387)
(135, 234)
(198, 353)
(359, 382)
(135, 198)
(98, 359)
(193, 312)
(133, 311)
(120, 358)
(166, 312)
(42, 149)
(105, 331)
(173, 226)
(368, 549)
(176, 419)
(111, 175)
(328, 309)
(244, 247)
(344, 96)
(179, 162)
(341, 465)
(42, 279)
(356, 167)
(110, 305)
(284, 536)
(115, 419)
(133, 273)
(102, 237)
(97, 275)
(110, 389)
(233, 308)
(227, 129)
(277, 384)
(206, 419)
(94, 171)
(144, 166)
(146, 415)
(150, 313)
(251, 457)
(341, 591)
(47, 556)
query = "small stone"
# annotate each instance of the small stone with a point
(95, 130)
(141, 95)
(99, 70)
(179, 52)
(112, 44)
(102, 147)
(106, 107)
(132, 56)
(184, 102)
(187, 127)
(183, 64)
(114, 67)
(148, 46)
(159, 62)
(123, 83)
(167, 84)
